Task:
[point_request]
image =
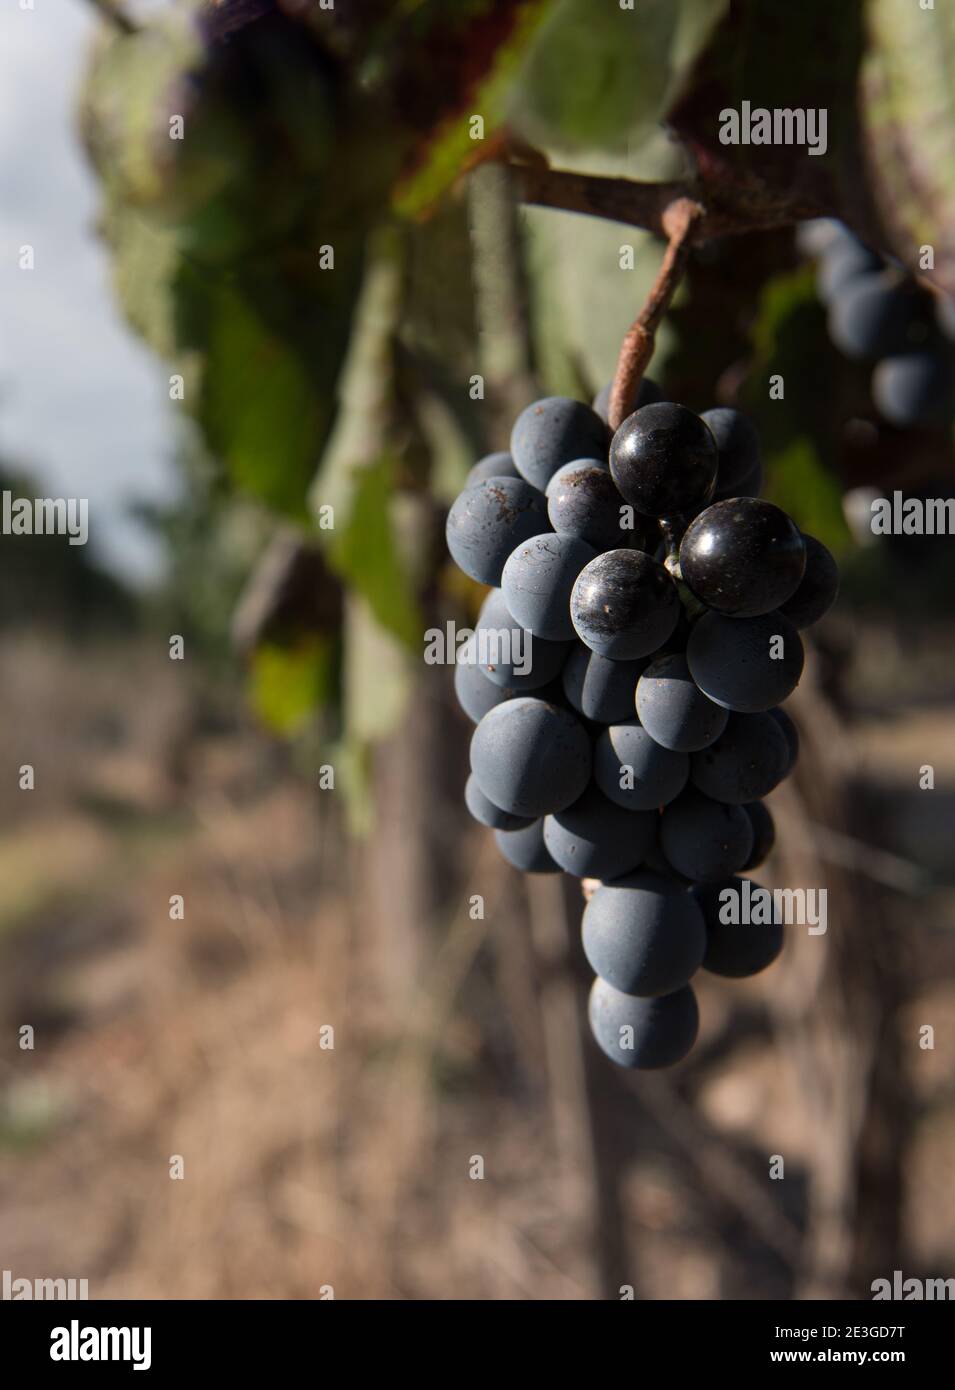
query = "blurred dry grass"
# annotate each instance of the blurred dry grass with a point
(307, 1167)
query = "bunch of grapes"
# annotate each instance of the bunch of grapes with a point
(656, 602)
(878, 313)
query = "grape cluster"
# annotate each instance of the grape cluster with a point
(628, 729)
(878, 313)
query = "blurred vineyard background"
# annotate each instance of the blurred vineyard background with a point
(304, 387)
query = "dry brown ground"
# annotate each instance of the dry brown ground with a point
(308, 1167)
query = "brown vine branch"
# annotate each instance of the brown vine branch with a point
(726, 212)
(679, 222)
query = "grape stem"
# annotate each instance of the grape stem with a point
(679, 222)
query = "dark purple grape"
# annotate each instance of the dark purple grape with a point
(705, 840)
(643, 1033)
(736, 949)
(624, 605)
(818, 588)
(750, 486)
(598, 688)
(743, 557)
(595, 838)
(635, 771)
(499, 465)
(509, 654)
(537, 582)
(875, 316)
(737, 444)
(764, 834)
(790, 733)
(477, 693)
(844, 261)
(553, 432)
(746, 762)
(486, 813)
(745, 664)
(664, 461)
(531, 758)
(673, 709)
(582, 500)
(488, 520)
(915, 389)
(644, 934)
(525, 849)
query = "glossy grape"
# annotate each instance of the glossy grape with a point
(743, 557)
(664, 460)
(624, 605)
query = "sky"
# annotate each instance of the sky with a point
(83, 403)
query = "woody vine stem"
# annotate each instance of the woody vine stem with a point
(679, 220)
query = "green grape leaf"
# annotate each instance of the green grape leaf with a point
(605, 74)
(358, 469)
(257, 403)
(491, 43)
(364, 553)
(287, 684)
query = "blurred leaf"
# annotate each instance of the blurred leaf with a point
(379, 674)
(126, 102)
(908, 112)
(800, 433)
(491, 42)
(584, 302)
(258, 406)
(363, 552)
(358, 469)
(808, 492)
(601, 75)
(288, 684)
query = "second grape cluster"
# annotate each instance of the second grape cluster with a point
(625, 676)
